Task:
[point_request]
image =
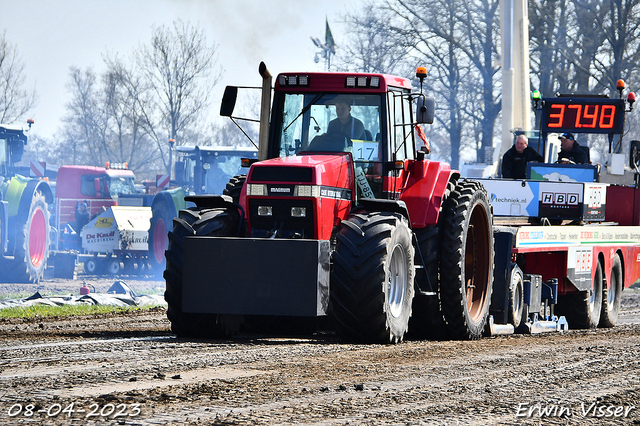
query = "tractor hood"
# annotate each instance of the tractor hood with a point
(317, 188)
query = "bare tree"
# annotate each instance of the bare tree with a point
(15, 99)
(373, 44)
(83, 127)
(179, 67)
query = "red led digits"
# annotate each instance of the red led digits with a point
(559, 116)
(593, 116)
(607, 117)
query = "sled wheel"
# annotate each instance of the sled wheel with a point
(516, 298)
(113, 266)
(216, 222)
(611, 303)
(466, 260)
(583, 309)
(91, 266)
(372, 285)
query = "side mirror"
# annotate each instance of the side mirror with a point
(228, 101)
(425, 110)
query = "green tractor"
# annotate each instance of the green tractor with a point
(24, 216)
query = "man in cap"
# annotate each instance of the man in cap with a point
(571, 151)
(514, 161)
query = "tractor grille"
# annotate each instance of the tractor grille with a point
(286, 226)
(282, 174)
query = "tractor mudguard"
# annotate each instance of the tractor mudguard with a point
(425, 190)
(172, 199)
(381, 205)
(20, 193)
(255, 276)
(31, 187)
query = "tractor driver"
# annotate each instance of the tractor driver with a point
(570, 151)
(345, 123)
(340, 130)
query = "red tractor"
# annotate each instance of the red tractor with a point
(342, 216)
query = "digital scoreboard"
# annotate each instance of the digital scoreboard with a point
(582, 115)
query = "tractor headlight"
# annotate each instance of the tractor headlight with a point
(265, 211)
(306, 191)
(258, 189)
(298, 212)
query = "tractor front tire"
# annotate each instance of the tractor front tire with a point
(234, 187)
(372, 283)
(466, 260)
(32, 243)
(216, 222)
(611, 303)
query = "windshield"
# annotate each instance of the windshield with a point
(121, 185)
(324, 122)
(219, 168)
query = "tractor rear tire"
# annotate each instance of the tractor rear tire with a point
(32, 243)
(193, 221)
(161, 224)
(611, 303)
(372, 283)
(582, 310)
(234, 187)
(466, 260)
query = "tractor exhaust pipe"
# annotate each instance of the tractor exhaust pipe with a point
(265, 108)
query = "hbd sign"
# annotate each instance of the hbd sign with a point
(560, 199)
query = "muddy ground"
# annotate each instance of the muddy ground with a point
(129, 369)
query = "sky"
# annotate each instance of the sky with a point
(52, 36)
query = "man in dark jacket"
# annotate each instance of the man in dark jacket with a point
(514, 161)
(570, 151)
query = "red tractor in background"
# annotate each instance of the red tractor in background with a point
(347, 220)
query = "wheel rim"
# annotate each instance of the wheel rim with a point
(91, 266)
(37, 238)
(477, 261)
(517, 295)
(114, 267)
(397, 281)
(159, 240)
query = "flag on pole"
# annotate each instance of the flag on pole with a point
(331, 44)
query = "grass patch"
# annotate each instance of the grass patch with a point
(39, 311)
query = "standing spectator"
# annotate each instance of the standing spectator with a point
(514, 161)
(82, 218)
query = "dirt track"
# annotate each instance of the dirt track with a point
(129, 369)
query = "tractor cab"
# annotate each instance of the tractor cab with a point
(12, 141)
